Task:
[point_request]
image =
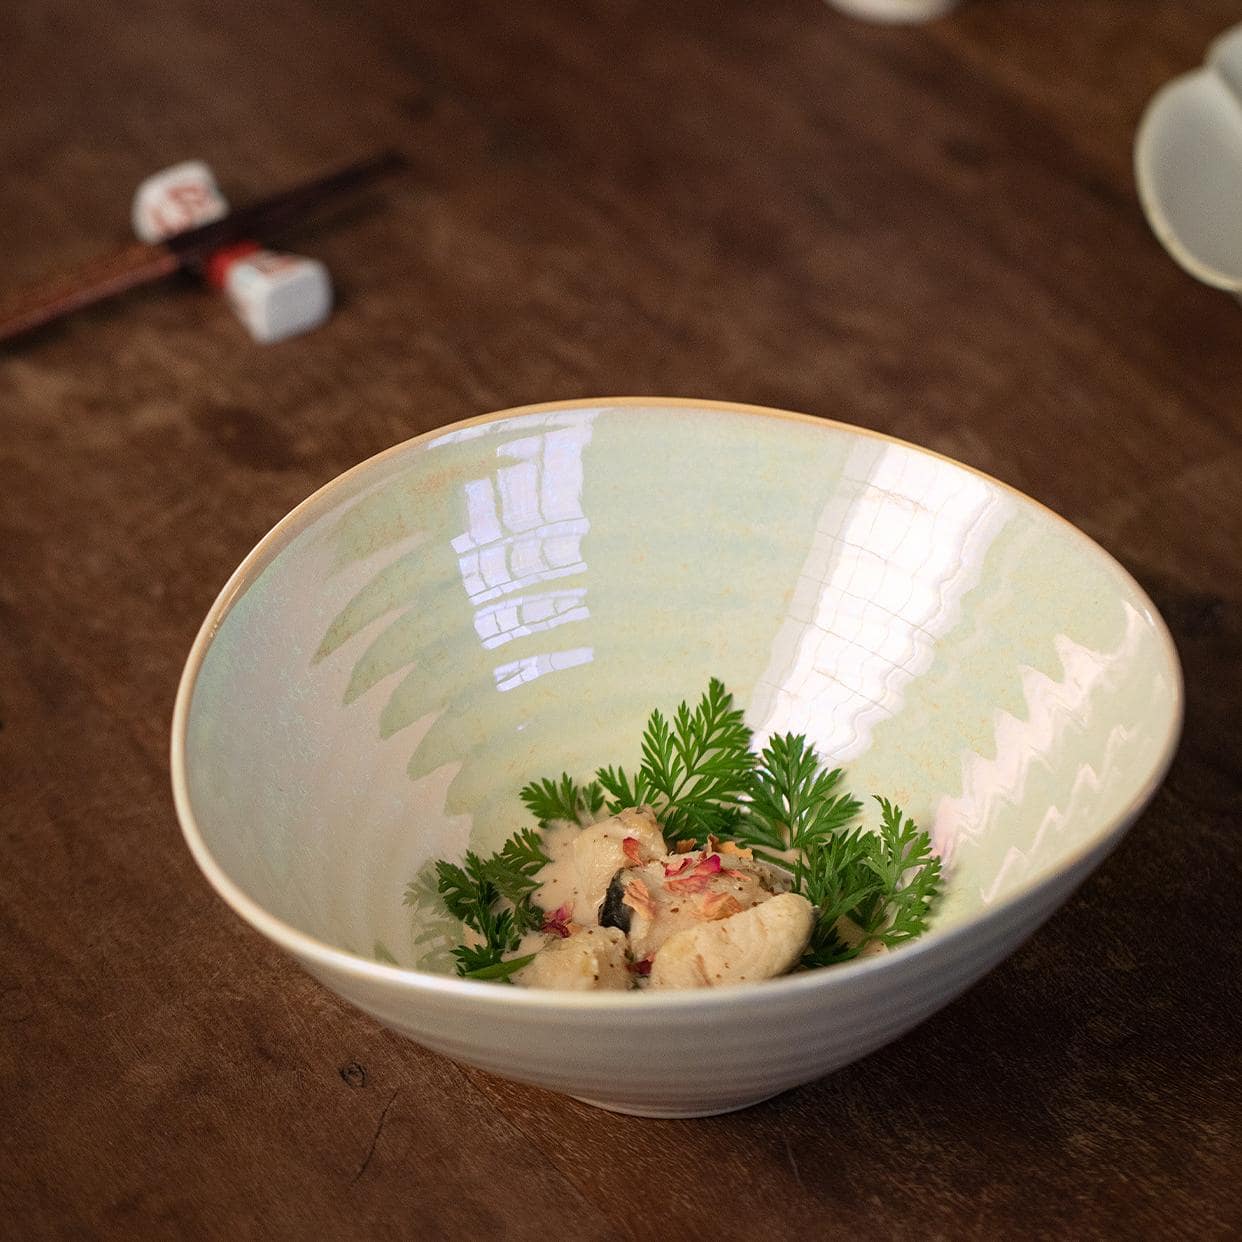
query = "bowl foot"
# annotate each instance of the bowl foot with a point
(685, 1111)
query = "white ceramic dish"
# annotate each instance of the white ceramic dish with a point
(1188, 164)
(895, 11)
(508, 597)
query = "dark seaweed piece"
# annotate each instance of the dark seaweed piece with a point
(613, 912)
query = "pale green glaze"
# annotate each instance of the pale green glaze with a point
(957, 647)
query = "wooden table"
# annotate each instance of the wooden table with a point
(933, 232)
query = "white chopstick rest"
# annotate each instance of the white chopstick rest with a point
(278, 295)
(179, 198)
(275, 295)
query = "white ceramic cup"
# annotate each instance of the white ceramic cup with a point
(894, 10)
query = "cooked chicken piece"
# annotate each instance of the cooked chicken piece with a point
(590, 959)
(666, 896)
(758, 943)
(601, 850)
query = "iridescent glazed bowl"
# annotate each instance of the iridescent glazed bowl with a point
(507, 598)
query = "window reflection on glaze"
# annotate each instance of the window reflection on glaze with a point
(895, 550)
(518, 618)
(510, 676)
(525, 526)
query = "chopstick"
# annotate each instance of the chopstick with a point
(140, 264)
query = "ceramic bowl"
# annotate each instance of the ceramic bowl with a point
(895, 11)
(1188, 165)
(507, 598)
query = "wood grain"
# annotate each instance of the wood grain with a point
(933, 232)
(104, 277)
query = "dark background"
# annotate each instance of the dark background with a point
(933, 232)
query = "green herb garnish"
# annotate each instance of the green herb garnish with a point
(794, 803)
(909, 874)
(512, 871)
(694, 773)
(486, 962)
(493, 896)
(548, 799)
(701, 778)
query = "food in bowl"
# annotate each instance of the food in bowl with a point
(713, 866)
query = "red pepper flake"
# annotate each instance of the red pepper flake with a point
(720, 906)
(699, 876)
(689, 884)
(630, 847)
(558, 922)
(709, 865)
(642, 967)
(638, 898)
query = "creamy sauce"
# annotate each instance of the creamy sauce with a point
(558, 878)
(558, 883)
(559, 886)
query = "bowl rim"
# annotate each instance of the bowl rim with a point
(310, 949)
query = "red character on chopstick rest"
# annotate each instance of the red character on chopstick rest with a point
(275, 295)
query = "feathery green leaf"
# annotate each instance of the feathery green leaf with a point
(549, 799)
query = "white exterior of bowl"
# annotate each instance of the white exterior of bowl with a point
(702, 1052)
(710, 1051)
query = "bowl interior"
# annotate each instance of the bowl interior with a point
(508, 599)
